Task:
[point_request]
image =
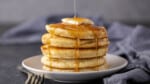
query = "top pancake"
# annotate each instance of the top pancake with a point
(82, 31)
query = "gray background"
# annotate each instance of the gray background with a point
(131, 11)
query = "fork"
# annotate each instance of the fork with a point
(32, 78)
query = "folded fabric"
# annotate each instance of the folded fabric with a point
(132, 43)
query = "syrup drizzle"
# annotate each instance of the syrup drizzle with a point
(77, 54)
(77, 48)
(96, 39)
(49, 49)
(77, 41)
(96, 45)
(78, 29)
(50, 57)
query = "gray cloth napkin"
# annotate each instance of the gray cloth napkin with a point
(132, 43)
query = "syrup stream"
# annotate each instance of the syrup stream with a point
(77, 40)
(75, 8)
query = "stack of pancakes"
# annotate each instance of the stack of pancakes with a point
(74, 45)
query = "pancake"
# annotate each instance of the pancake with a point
(97, 68)
(57, 41)
(84, 63)
(75, 44)
(55, 52)
(80, 31)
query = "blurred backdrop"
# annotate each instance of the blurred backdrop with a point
(129, 11)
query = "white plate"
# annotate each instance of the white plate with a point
(34, 65)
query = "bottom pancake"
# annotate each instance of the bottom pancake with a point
(102, 67)
(72, 63)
